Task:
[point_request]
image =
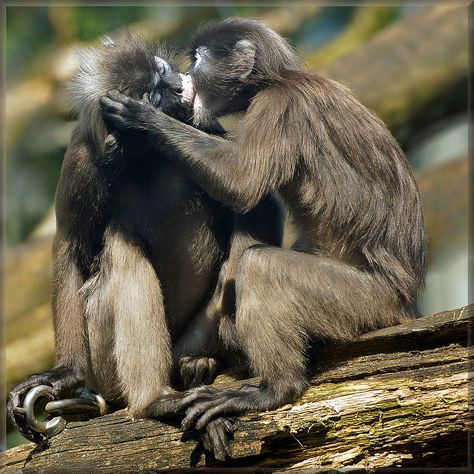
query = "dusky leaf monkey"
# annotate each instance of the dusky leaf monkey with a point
(138, 247)
(359, 261)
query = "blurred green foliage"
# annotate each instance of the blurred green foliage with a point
(31, 29)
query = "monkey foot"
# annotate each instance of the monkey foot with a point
(196, 370)
(206, 407)
(204, 404)
(62, 379)
(217, 437)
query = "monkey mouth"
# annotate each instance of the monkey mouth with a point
(189, 92)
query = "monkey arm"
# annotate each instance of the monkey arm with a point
(234, 171)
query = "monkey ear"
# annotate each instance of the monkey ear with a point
(244, 52)
(161, 65)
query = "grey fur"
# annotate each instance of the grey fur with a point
(138, 247)
(359, 261)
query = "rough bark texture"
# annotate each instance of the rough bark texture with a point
(396, 397)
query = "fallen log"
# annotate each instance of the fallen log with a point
(397, 397)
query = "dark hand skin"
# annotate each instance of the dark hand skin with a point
(197, 369)
(124, 113)
(62, 379)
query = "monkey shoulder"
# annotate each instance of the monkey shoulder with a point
(299, 95)
(307, 93)
(78, 156)
(80, 188)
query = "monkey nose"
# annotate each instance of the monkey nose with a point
(175, 84)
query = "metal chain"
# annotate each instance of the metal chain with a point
(85, 403)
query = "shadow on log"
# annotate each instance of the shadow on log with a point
(397, 397)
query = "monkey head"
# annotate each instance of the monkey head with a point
(231, 61)
(134, 67)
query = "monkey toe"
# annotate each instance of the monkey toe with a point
(217, 437)
(196, 370)
(19, 419)
(165, 406)
(204, 406)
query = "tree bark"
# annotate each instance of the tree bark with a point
(395, 397)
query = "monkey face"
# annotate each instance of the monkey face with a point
(167, 92)
(219, 79)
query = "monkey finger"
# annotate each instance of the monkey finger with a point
(186, 378)
(116, 96)
(228, 425)
(153, 99)
(196, 412)
(200, 369)
(206, 442)
(211, 369)
(196, 379)
(109, 106)
(219, 438)
(115, 120)
(64, 386)
(28, 433)
(18, 418)
(18, 393)
(188, 402)
(214, 409)
(216, 441)
(195, 394)
(226, 433)
(204, 390)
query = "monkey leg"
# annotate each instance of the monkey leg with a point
(283, 300)
(128, 335)
(212, 332)
(195, 352)
(70, 369)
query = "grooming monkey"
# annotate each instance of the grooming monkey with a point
(359, 261)
(139, 246)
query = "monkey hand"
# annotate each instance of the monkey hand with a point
(127, 114)
(205, 405)
(197, 370)
(62, 379)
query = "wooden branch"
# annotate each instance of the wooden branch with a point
(395, 397)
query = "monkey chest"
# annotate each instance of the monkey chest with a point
(171, 218)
